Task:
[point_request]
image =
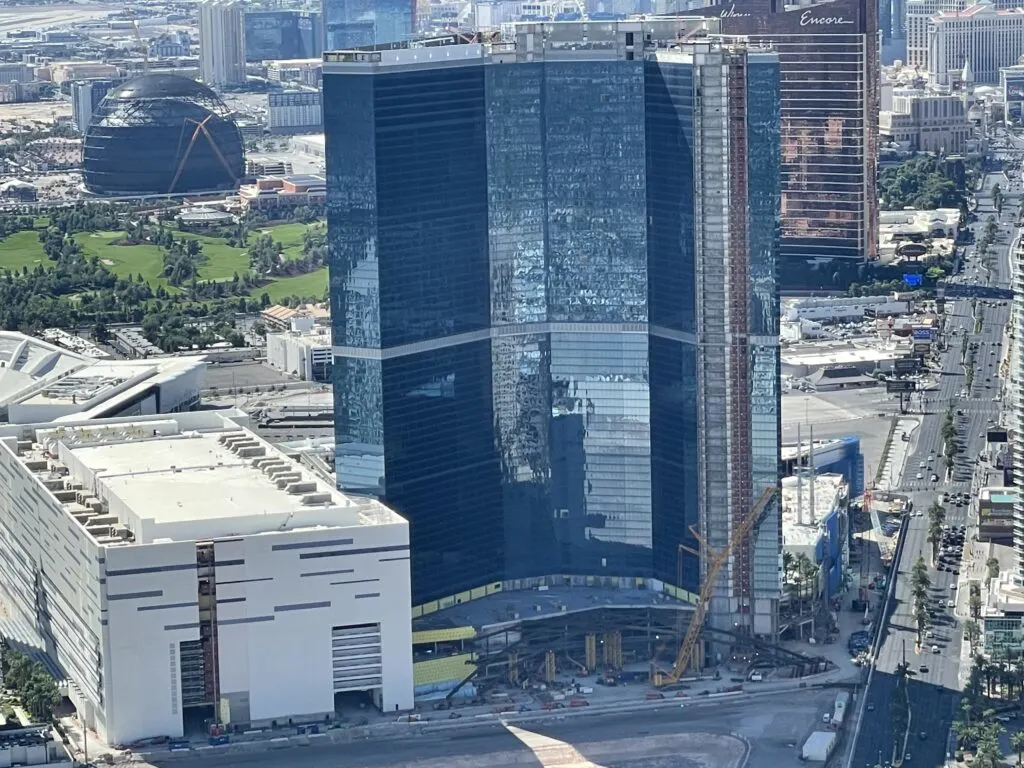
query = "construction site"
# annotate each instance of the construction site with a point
(552, 642)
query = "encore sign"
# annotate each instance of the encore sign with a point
(807, 20)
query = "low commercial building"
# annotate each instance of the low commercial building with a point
(995, 514)
(1002, 606)
(815, 524)
(75, 343)
(178, 566)
(62, 72)
(277, 192)
(843, 309)
(304, 350)
(917, 236)
(278, 317)
(111, 388)
(132, 342)
(312, 145)
(862, 356)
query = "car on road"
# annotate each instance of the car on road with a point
(935, 649)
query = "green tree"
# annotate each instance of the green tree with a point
(973, 634)
(1017, 742)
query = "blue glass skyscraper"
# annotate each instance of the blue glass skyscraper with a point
(359, 23)
(554, 303)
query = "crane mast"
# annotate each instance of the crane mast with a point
(715, 561)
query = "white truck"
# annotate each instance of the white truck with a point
(819, 746)
(839, 711)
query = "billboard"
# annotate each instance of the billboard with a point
(900, 385)
(996, 436)
(924, 334)
(906, 365)
(912, 280)
(922, 349)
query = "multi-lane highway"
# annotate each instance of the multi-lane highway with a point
(934, 676)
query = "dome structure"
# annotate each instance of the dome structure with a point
(159, 135)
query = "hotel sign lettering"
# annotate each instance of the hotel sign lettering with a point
(807, 19)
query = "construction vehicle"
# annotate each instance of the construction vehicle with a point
(715, 560)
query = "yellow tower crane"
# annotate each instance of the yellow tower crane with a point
(715, 560)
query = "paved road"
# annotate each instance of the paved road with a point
(934, 684)
(666, 738)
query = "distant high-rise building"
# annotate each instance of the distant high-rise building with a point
(359, 23)
(86, 96)
(272, 35)
(221, 43)
(554, 303)
(830, 99)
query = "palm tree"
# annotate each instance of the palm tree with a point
(973, 633)
(935, 536)
(1017, 742)
(965, 732)
(787, 566)
(992, 564)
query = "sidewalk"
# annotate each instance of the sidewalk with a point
(896, 458)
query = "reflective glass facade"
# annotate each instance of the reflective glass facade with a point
(829, 60)
(282, 35)
(358, 23)
(512, 271)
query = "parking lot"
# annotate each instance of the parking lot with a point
(224, 376)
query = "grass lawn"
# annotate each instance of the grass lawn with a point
(222, 261)
(290, 237)
(313, 284)
(22, 249)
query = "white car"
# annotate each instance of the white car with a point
(920, 476)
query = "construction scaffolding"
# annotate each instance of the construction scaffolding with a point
(616, 644)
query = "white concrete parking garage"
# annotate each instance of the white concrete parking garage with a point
(176, 565)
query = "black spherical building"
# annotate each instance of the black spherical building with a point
(162, 134)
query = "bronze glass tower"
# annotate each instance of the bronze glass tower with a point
(828, 56)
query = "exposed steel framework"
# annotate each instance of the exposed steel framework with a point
(162, 134)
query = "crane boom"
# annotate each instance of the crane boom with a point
(715, 562)
(138, 38)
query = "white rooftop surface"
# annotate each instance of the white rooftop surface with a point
(191, 486)
(94, 381)
(808, 354)
(792, 451)
(25, 360)
(828, 491)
